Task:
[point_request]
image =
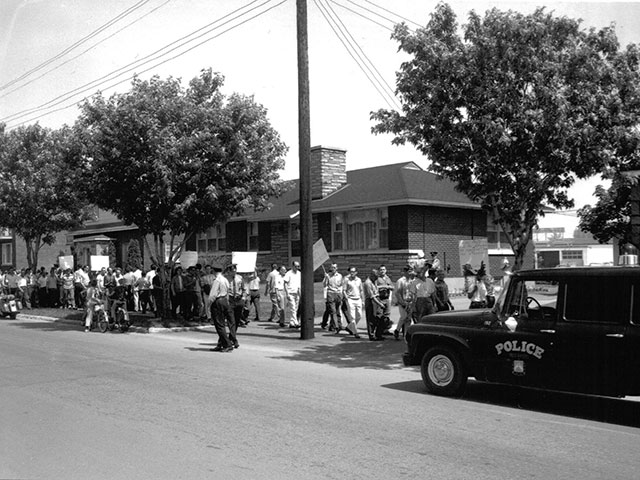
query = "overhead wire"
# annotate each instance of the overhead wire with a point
(98, 83)
(133, 65)
(343, 38)
(371, 66)
(70, 48)
(367, 68)
(85, 51)
(387, 27)
(386, 10)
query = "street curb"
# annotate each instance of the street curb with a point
(132, 329)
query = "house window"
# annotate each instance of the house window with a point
(7, 254)
(213, 240)
(5, 233)
(338, 230)
(361, 229)
(252, 232)
(496, 236)
(294, 235)
(384, 228)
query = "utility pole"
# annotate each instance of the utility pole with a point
(304, 147)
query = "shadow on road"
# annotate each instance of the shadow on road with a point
(351, 352)
(46, 325)
(588, 407)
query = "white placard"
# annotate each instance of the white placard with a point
(98, 262)
(320, 254)
(473, 252)
(245, 261)
(66, 262)
(188, 259)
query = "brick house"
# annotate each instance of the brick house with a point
(366, 217)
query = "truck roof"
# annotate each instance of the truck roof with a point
(595, 271)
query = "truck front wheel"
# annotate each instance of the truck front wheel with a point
(443, 371)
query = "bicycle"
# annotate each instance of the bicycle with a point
(100, 318)
(121, 317)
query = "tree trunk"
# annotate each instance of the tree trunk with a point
(33, 248)
(164, 269)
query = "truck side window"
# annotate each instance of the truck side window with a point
(593, 299)
(635, 309)
(538, 299)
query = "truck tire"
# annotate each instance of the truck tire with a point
(443, 371)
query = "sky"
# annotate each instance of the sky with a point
(54, 53)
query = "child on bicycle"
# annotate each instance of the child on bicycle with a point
(93, 299)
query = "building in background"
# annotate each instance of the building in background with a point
(559, 242)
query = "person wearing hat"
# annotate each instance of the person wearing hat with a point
(435, 261)
(404, 299)
(443, 302)
(221, 312)
(478, 291)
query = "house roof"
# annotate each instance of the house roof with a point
(395, 184)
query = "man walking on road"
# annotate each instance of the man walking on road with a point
(292, 285)
(219, 300)
(354, 294)
(333, 285)
(270, 290)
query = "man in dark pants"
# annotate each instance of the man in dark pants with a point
(333, 303)
(221, 312)
(373, 307)
(237, 295)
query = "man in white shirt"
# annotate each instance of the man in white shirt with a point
(81, 283)
(423, 291)
(354, 293)
(292, 285)
(270, 290)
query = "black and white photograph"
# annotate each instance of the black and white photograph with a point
(319, 239)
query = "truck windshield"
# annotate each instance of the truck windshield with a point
(497, 308)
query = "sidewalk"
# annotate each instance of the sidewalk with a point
(146, 324)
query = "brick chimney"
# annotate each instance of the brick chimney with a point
(328, 170)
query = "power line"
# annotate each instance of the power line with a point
(85, 51)
(155, 65)
(139, 63)
(364, 16)
(388, 11)
(380, 79)
(84, 39)
(133, 65)
(360, 14)
(354, 55)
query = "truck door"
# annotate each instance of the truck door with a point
(523, 355)
(590, 345)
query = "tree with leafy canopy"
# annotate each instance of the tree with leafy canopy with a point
(39, 194)
(610, 218)
(176, 161)
(134, 255)
(515, 109)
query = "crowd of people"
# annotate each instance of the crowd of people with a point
(421, 290)
(224, 297)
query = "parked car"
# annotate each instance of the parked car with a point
(571, 329)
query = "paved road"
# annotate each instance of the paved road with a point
(129, 406)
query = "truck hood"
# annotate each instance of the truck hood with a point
(466, 318)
